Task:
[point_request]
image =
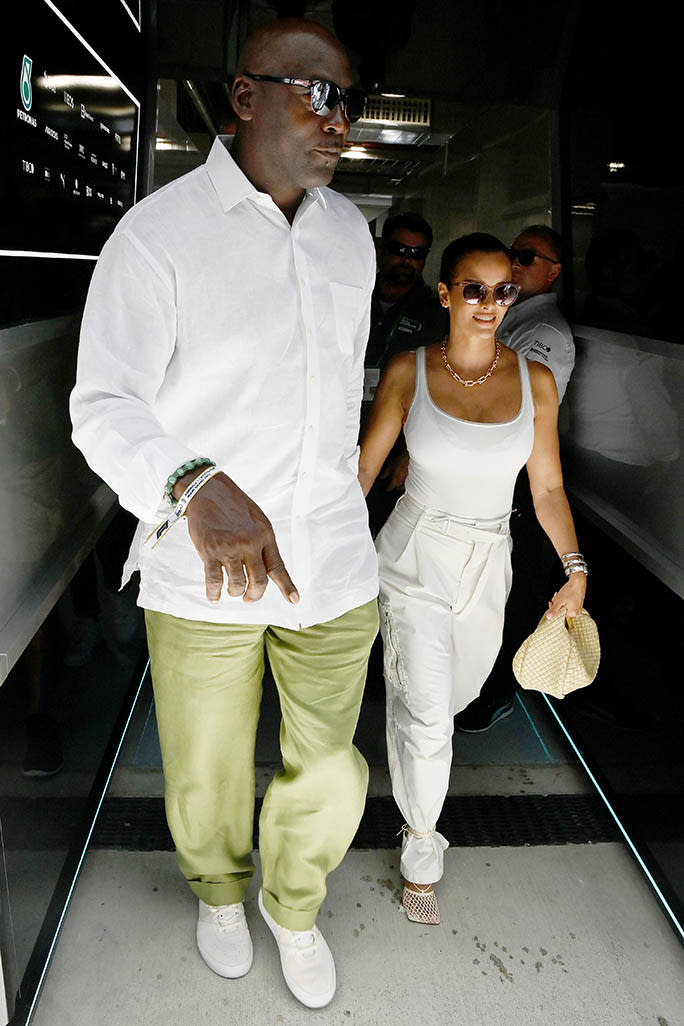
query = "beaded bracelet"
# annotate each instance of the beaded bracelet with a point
(199, 461)
(183, 503)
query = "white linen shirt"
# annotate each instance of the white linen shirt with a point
(537, 329)
(214, 328)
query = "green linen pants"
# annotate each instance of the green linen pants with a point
(207, 690)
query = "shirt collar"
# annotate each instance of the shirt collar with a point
(543, 299)
(529, 307)
(232, 186)
(318, 195)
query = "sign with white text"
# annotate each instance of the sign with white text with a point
(69, 130)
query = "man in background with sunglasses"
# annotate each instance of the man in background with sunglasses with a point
(221, 368)
(535, 327)
(405, 311)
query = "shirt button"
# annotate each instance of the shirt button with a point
(309, 427)
(304, 474)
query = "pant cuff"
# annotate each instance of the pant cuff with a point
(422, 857)
(220, 893)
(290, 918)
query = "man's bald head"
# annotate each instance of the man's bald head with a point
(536, 277)
(289, 46)
(281, 144)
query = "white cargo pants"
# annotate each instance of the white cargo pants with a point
(444, 582)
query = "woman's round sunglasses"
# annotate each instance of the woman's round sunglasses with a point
(325, 95)
(504, 294)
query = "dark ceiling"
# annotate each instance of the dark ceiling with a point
(448, 51)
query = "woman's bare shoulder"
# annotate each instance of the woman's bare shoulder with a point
(403, 362)
(401, 371)
(543, 383)
(540, 376)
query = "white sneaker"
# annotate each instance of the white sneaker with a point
(223, 939)
(306, 961)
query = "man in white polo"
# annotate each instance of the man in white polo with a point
(223, 344)
(534, 326)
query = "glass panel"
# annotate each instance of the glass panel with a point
(622, 420)
(622, 427)
(58, 708)
(69, 135)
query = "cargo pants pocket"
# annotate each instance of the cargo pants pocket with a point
(393, 664)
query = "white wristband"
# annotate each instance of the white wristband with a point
(182, 504)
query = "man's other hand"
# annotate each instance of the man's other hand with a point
(394, 472)
(231, 532)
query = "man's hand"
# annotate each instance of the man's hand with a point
(230, 531)
(395, 471)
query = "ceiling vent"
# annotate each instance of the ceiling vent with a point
(393, 121)
(397, 111)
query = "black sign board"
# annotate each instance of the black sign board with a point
(71, 139)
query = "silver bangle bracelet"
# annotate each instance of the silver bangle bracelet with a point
(573, 563)
(577, 568)
(567, 556)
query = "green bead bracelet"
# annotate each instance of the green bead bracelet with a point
(200, 461)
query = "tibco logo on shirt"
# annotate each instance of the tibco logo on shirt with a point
(539, 347)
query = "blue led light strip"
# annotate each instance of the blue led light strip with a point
(649, 876)
(547, 753)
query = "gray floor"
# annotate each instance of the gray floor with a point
(530, 937)
(535, 936)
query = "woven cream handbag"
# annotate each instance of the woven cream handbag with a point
(561, 655)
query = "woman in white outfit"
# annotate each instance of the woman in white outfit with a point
(473, 412)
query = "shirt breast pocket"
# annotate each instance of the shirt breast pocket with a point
(347, 310)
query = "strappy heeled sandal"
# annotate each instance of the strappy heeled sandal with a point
(421, 905)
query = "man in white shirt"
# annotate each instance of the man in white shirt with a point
(534, 326)
(226, 324)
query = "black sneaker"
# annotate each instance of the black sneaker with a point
(43, 757)
(483, 713)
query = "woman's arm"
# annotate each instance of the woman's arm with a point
(388, 413)
(546, 484)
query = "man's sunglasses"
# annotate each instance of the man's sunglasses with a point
(400, 250)
(504, 294)
(525, 257)
(325, 95)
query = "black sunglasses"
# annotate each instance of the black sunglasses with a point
(525, 257)
(504, 294)
(325, 95)
(399, 249)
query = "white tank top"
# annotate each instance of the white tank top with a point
(465, 468)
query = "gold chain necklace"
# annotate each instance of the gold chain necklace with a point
(469, 382)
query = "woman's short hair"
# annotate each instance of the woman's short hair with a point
(476, 242)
